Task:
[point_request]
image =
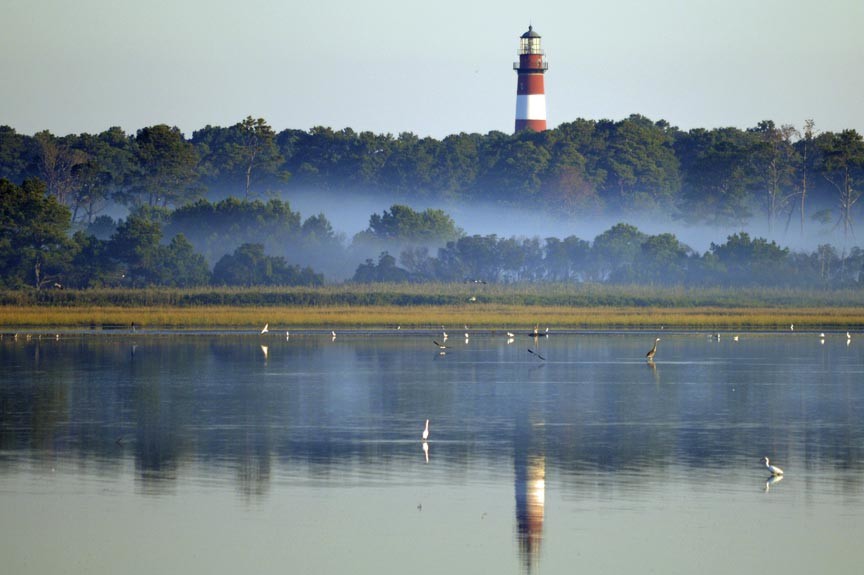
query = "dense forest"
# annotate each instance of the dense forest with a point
(156, 208)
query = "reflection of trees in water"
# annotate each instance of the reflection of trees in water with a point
(212, 400)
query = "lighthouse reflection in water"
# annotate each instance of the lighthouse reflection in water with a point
(530, 487)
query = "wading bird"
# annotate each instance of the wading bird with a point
(266, 328)
(532, 352)
(772, 468)
(440, 345)
(425, 435)
(650, 355)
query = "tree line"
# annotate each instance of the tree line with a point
(778, 175)
(158, 246)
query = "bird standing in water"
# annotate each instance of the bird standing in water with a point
(426, 431)
(650, 355)
(772, 468)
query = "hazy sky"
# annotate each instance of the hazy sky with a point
(433, 68)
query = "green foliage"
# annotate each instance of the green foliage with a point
(33, 235)
(167, 166)
(385, 271)
(405, 225)
(250, 266)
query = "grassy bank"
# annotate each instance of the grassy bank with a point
(430, 305)
(478, 316)
(435, 295)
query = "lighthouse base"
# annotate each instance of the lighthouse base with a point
(535, 125)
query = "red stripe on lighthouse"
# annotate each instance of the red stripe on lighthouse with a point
(530, 84)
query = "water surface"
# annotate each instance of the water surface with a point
(229, 452)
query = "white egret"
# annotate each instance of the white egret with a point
(772, 468)
(791, 327)
(266, 328)
(848, 336)
(653, 351)
(425, 435)
(287, 335)
(734, 338)
(509, 334)
(333, 334)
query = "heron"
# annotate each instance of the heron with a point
(510, 334)
(650, 355)
(772, 468)
(848, 336)
(266, 328)
(734, 338)
(287, 335)
(333, 334)
(425, 435)
(532, 352)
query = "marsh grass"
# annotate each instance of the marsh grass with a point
(431, 305)
(477, 316)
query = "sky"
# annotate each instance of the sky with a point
(432, 68)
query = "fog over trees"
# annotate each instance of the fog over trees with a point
(156, 208)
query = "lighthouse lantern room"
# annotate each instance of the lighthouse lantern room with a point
(530, 93)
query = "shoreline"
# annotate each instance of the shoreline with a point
(455, 317)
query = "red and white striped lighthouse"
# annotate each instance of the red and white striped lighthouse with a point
(530, 95)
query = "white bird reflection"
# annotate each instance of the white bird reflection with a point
(773, 480)
(426, 451)
(264, 350)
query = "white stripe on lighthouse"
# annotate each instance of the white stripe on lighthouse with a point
(531, 107)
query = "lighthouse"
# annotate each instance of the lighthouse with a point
(530, 95)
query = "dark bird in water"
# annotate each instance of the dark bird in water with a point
(532, 352)
(650, 354)
(440, 345)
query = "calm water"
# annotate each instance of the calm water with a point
(204, 453)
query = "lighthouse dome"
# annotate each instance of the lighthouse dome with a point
(530, 33)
